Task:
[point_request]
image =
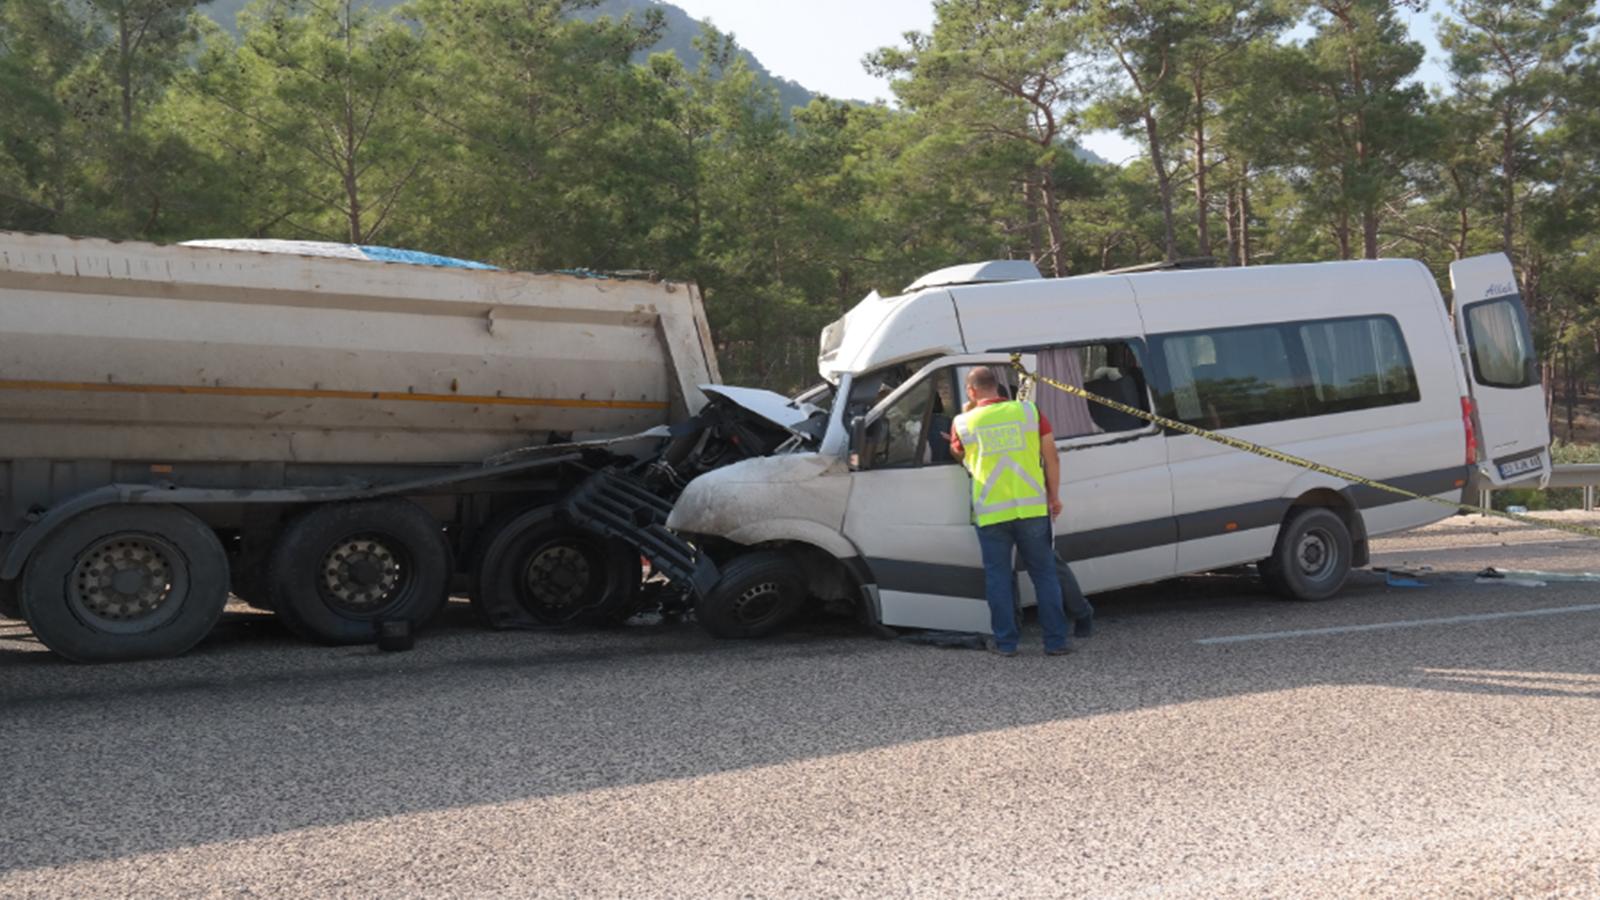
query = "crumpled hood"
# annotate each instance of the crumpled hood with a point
(768, 405)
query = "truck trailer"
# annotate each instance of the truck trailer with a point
(342, 441)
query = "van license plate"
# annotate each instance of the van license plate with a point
(1514, 467)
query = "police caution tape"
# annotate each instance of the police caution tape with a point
(1289, 458)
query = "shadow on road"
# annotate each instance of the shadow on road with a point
(255, 734)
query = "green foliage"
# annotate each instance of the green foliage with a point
(546, 134)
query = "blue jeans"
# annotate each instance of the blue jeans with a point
(1077, 604)
(1031, 537)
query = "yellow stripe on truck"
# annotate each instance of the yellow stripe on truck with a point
(92, 387)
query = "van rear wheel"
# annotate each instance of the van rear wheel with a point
(1312, 558)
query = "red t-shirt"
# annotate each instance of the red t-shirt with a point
(1044, 426)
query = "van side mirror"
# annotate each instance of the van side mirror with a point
(860, 442)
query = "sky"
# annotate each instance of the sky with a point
(820, 44)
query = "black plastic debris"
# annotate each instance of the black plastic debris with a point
(955, 640)
(394, 635)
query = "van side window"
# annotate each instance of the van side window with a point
(915, 430)
(1358, 364)
(901, 434)
(1233, 377)
(1110, 369)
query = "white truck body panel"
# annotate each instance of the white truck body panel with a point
(174, 353)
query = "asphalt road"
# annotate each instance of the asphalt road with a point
(1203, 744)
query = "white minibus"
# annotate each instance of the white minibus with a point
(1356, 365)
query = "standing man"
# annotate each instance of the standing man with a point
(1008, 448)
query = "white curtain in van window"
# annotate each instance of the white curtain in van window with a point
(1180, 368)
(1497, 342)
(1068, 415)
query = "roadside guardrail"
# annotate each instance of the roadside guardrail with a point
(1571, 475)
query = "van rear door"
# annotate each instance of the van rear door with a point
(1502, 369)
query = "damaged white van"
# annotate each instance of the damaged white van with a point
(1356, 365)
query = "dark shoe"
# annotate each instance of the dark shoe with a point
(1058, 651)
(1083, 627)
(997, 650)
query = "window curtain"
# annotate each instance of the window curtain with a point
(1068, 415)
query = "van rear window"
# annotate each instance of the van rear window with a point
(1231, 377)
(1502, 349)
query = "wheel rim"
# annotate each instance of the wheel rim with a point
(758, 603)
(1317, 554)
(560, 579)
(128, 583)
(364, 574)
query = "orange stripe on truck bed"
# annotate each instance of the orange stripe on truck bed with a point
(92, 387)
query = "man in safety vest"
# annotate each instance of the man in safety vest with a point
(1008, 448)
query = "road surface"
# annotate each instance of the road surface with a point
(1210, 741)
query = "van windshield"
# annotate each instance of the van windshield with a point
(1501, 347)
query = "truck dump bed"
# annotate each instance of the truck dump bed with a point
(131, 351)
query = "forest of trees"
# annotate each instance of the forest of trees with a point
(523, 134)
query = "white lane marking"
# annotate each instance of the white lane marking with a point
(1406, 623)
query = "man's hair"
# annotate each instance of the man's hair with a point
(982, 379)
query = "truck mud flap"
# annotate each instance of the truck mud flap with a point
(612, 504)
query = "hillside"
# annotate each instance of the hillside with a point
(678, 36)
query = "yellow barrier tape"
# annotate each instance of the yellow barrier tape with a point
(1291, 459)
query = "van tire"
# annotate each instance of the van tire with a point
(1312, 558)
(88, 590)
(756, 596)
(396, 542)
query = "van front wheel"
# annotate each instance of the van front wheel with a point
(757, 595)
(1312, 558)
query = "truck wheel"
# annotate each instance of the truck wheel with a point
(1312, 558)
(757, 594)
(340, 569)
(126, 582)
(535, 568)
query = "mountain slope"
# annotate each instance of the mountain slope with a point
(677, 36)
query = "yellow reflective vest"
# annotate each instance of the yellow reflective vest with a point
(1000, 447)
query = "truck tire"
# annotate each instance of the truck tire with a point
(534, 569)
(340, 569)
(757, 595)
(126, 582)
(1312, 558)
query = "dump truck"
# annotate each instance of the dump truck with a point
(342, 440)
